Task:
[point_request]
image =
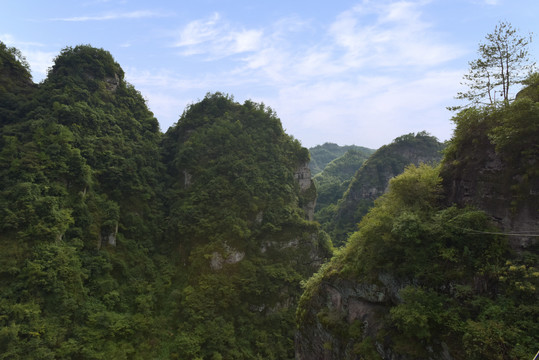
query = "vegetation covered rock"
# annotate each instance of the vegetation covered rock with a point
(118, 241)
(371, 181)
(443, 266)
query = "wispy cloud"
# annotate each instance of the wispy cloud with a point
(10, 40)
(389, 35)
(139, 14)
(199, 31)
(375, 62)
(370, 35)
(216, 38)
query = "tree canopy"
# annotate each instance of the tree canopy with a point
(120, 242)
(503, 63)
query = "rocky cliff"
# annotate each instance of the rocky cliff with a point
(450, 276)
(489, 180)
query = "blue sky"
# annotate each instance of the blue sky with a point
(350, 72)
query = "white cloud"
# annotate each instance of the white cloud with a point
(389, 35)
(139, 14)
(216, 39)
(246, 40)
(199, 31)
(376, 72)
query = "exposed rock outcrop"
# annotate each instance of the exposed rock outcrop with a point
(230, 256)
(307, 190)
(346, 313)
(510, 197)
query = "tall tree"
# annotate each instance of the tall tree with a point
(503, 62)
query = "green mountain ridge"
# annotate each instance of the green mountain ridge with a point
(445, 265)
(371, 181)
(334, 179)
(118, 241)
(322, 155)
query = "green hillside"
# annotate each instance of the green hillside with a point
(371, 181)
(120, 242)
(322, 155)
(445, 265)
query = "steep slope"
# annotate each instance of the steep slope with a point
(16, 86)
(333, 181)
(492, 164)
(120, 242)
(79, 165)
(239, 190)
(372, 179)
(425, 278)
(322, 155)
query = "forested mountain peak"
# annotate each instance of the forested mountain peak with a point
(322, 155)
(237, 195)
(119, 241)
(372, 179)
(84, 62)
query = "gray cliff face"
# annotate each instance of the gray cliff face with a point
(486, 182)
(339, 307)
(344, 314)
(307, 190)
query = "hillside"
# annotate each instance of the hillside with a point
(371, 181)
(121, 242)
(333, 181)
(445, 265)
(240, 198)
(118, 241)
(322, 155)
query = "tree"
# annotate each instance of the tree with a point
(503, 62)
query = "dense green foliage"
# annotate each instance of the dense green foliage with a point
(465, 289)
(322, 155)
(371, 180)
(334, 180)
(118, 242)
(503, 63)
(236, 220)
(79, 167)
(16, 84)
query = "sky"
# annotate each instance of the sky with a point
(348, 72)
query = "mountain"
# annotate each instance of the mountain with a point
(80, 210)
(321, 155)
(445, 265)
(371, 181)
(119, 241)
(16, 86)
(240, 211)
(333, 181)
